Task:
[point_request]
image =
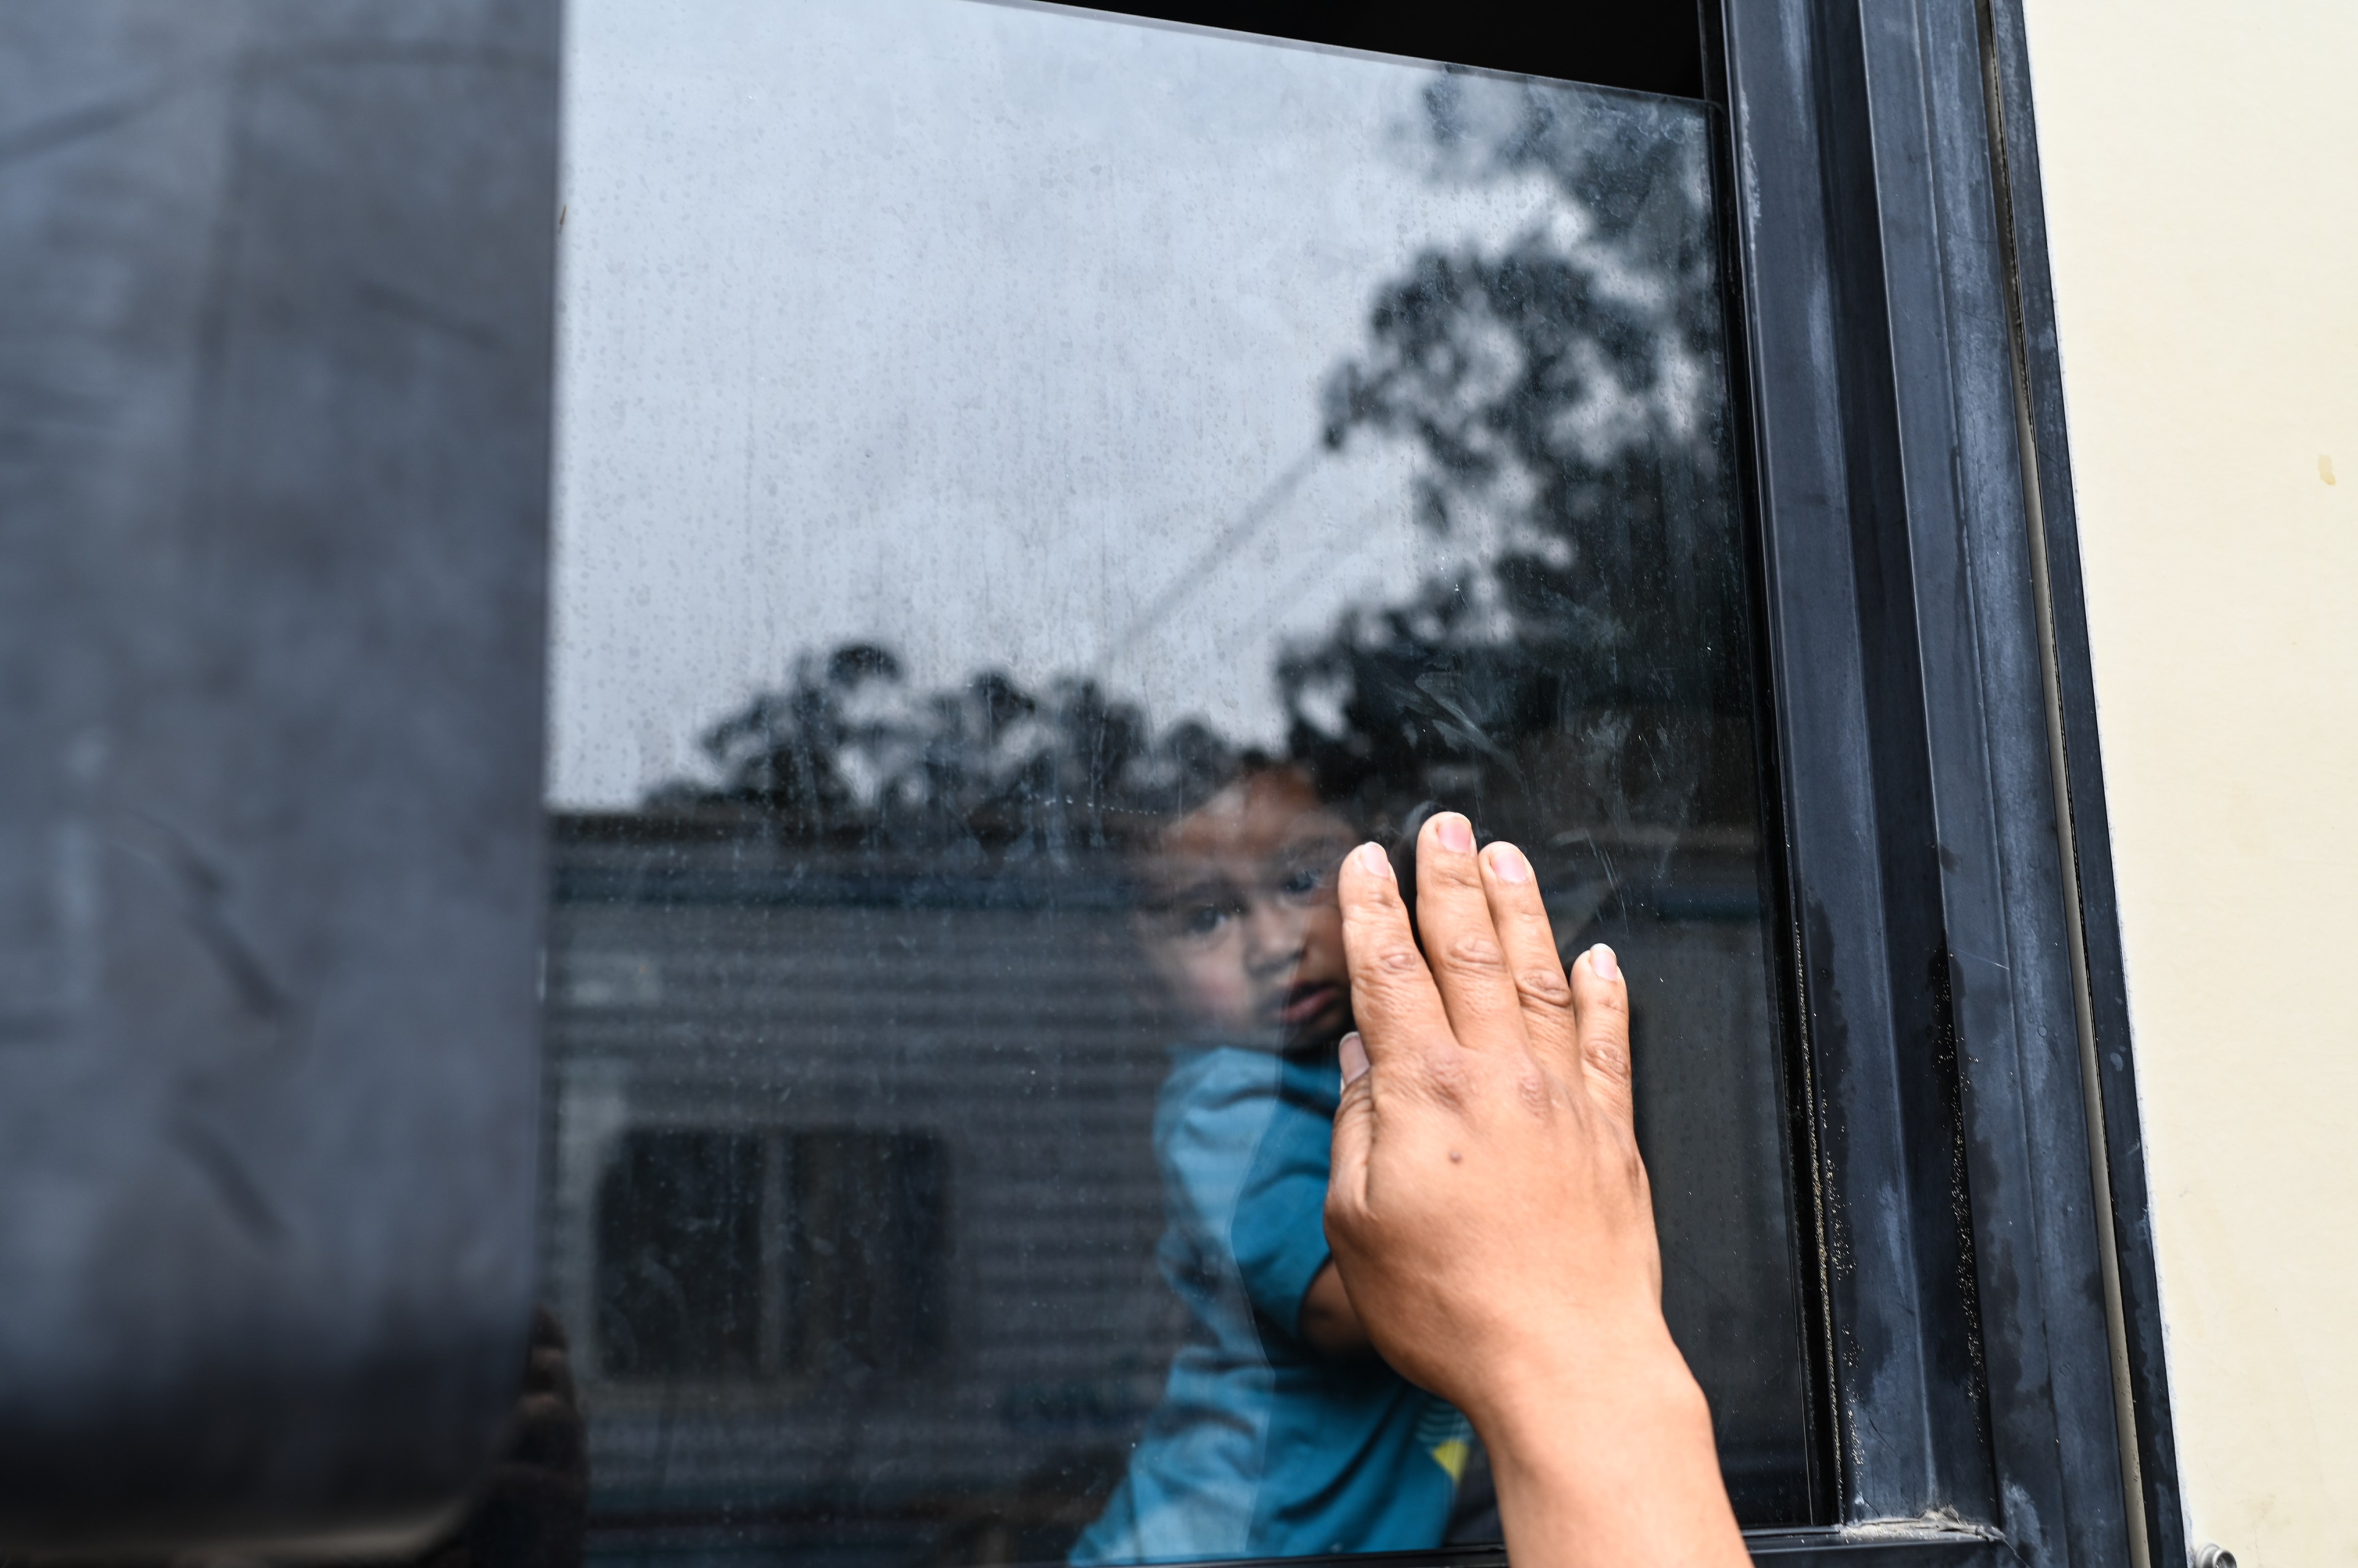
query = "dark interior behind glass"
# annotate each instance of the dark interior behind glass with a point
(1001, 450)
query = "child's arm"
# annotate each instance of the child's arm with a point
(1329, 1323)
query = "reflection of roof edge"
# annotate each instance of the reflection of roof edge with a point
(1044, 887)
(725, 822)
(737, 856)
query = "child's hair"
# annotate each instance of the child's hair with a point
(1187, 772)
(1191, 770)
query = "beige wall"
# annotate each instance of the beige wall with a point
(2202, 174)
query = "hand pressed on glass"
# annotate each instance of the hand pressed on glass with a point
(1491, 1218)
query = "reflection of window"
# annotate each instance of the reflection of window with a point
(679, 1255)
(868, 1237)
(804, 1254)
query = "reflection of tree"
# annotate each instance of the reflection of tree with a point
(1564, 395)
(850, 753)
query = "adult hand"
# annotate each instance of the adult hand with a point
(1491, 1220)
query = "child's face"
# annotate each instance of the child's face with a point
(1241, 921)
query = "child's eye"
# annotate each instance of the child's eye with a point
(1203, 919)
(1303, 882)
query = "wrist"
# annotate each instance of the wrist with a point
(1576, 1370)
(1615, 1437)
(1586, 1393)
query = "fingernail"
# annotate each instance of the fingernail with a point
(1354, 1051)
(1373, 860)
(1602, 964)
(1454, 833)
(1509, 863)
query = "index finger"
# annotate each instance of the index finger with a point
(1529, 938)
(1453, 911)
(1393, 999)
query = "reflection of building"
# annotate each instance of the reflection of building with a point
(853, 1203)
(956, 1071)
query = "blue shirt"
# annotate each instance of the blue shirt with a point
(1261, 1447)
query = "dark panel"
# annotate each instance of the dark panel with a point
(274, 293)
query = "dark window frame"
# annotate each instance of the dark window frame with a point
(1948, 873)
(1946, 888)
(1960, 1067)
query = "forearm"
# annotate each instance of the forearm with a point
(1611, 1463)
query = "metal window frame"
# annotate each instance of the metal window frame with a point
(1985, 1330)
(1991, 1337)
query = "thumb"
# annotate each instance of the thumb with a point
(1355, 1127)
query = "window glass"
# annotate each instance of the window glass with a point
(1033, 489)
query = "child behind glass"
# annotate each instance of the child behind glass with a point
(1279, 1432)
